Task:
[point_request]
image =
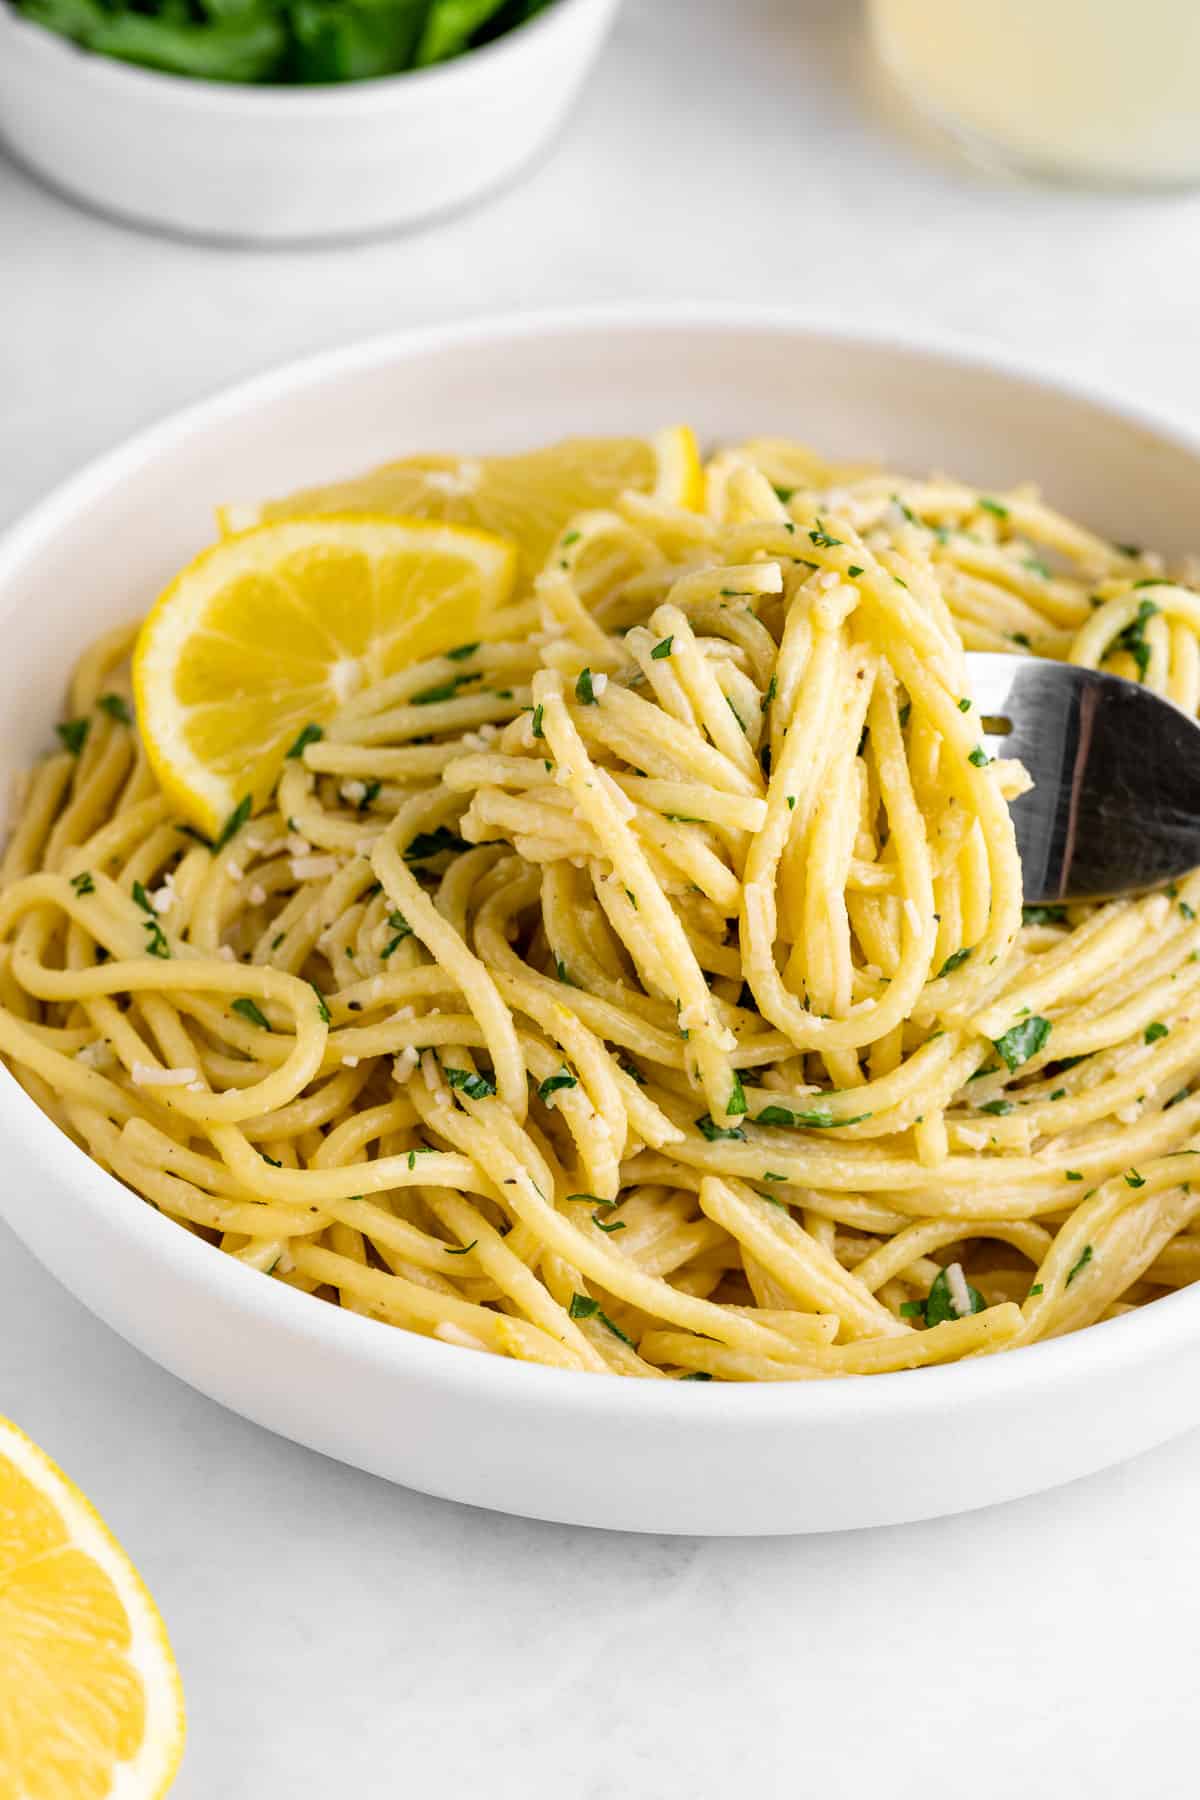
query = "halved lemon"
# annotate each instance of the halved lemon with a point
(277, 627)
(528, 498)
(90, 1699)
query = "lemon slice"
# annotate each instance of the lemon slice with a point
(277, 627)
(528, 498)
(90, 1699)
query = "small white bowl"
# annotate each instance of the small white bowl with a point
(291, 164)
(639, 1456)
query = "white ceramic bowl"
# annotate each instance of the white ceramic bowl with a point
(280, 164)
(649, 1456)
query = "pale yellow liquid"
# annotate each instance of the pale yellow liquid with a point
(1092, 89)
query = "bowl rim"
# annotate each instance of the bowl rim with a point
(1150, 1333)
(280, 101)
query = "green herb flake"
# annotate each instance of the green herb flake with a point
(999, 1108)
(428, 844)
(772, 690)
(116, 707)
(311, 734)
(73, 734)
(536, 722)
(584, 691)
(1037, 1288)
(662, 649)
(1043, 915)
(583, 1307)
(461, 652)
(1023, 1041)
(270, 1159)
(1155, 1031)
(1073, 1174)
(83, 883)
(553, 1083)
(1081, 1265)
(251, 1010)
(940, 1307)
(464, 1250)
(598, 1222)
(821, 538)
(475, 1087)
(988, 505)
(817, 1118)
(854, 571)
(560, 969)
(964, 704)
(141, 898)
(735, 1106)
(979, 757)
(1134, 1180)
(954, 961)
(1133, 638)
(737, 715)
(1189, 912)
(771, 1175)
(716, 1133)
(156, 943)
(322, 1010)
(233, 824)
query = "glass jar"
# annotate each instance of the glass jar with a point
(1101, 91)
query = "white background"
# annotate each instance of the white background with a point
(340, 1637)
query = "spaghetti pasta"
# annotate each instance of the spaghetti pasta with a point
(648, 991)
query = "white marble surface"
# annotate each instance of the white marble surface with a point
(341, 1637)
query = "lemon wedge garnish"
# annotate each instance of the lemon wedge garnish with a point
(90, 1699)
(278, 627)
(528, 497)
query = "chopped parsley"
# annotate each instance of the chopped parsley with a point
(461, 652)
(116, 707)
(1189, 912)
(772, 690)
(997, 1107)
(1082, 1264)
(1073, 1174)
(1037, 1288)
(370, 794)
(964, 704)
(427, 844)
(715, 1133)
(598, 1222)
(552, 1084)
(475, 1087)
(322, 1009)
(251, 1010)
(853, 571)
(1155, 1031)
(821, 538)
(737, 715)
(311, 734)
(140, 897)
(233, 824)
(979, 757)
(73, 734)
(988, 505)
(662, 649)
(584, 691)
(441, 690)
(736, 1103)
(954, 961)
(818, 1117)
(582, 1307)
(535, 725)
(270, 1159)
(83, 883)
(940, 1305)
(156, 943)
(1134, 1180)
(1133, 639)
(1023, 1041)
(463, 1251)
(1043, 915)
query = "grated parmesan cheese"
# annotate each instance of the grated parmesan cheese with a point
(405, 1065)
(313, 868)
(146, 1075)
(956, 1283)
(235, 871)
(258, 894)
(349, 1062)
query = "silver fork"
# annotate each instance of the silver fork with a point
(1115, 805)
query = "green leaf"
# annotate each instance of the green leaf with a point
(461, 652)
(73, 734)
(428, 844)
(979, 757)
(997, 1107)
(1155, 1031)
(1134, 1180)
(584, 691)
(83, 883)
(817, 1118)
(311, 734)
(450, 27)
(1133, 638)
(251, 1010)
(1043, 915)
(536, 727)
(1082, 1264)
(1023, 1040)
(940, 1305)
(233, 824)
(475, 1087)
(553, 1084)
(583, 1307)
(735, 1106)
(116, 707)
(662, 649)
(952, 962)
(716, 1133)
